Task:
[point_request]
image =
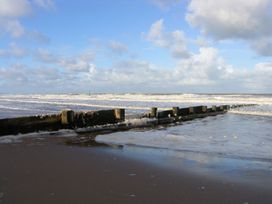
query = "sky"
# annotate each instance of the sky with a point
(140, 46)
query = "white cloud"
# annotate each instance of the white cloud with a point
(45, 56)
(226, 19)
(134, 72)
(201, 42)
(21, 78)
(203, 71)
(78, 63)
(262, 46)
(253, 80)
(75, 65)
(203, 68)
(16, 75)
(250, 21)
(14, 8)
(260, 76)
(29, 79)
(117, 47)
(175, 41)
(13, 50)
(11, 11)
(87, 55)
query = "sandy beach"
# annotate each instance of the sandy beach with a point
(56, 173)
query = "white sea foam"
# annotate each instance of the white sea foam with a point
(139, 122)
(13, 108)
(133, 102)
(162, 98)
(74, 104)
(256, 113)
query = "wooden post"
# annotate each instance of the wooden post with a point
(186, 111)
(153, 112)
(67, 117)
(200, 109)
(30, 124)
(214, 108)
(165, 114)
(119, 114)
(226, 107)
(191, 110)
(220, 108)
(79, 119)
(100, 117)
(175, 111)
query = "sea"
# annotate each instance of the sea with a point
(244, 133)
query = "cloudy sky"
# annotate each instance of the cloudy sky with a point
(76, 46)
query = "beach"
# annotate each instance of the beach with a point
(50, 172)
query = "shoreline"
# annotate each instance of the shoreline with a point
(49, 172)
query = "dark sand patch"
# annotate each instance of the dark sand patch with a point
(52, 173)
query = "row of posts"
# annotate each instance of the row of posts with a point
(176, 111)
(69, 117)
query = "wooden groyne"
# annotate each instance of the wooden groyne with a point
(107, 120)
(177, 114)
(67, 119)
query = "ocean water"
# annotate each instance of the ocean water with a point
(244, 133)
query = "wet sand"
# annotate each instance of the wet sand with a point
(52, 173)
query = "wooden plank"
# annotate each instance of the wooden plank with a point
(30, 124)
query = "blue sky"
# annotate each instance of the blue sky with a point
(57, 46)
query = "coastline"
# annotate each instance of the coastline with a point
(49, 172)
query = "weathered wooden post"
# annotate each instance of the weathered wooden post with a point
(165, 114)
(213, 108)
(220, 108)
(186, 111)
(153, 112)
(119, 114)
(67, 117)
(191, 110)
(79, 119)
(226, 107)
(175, 111)
(200, 109)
